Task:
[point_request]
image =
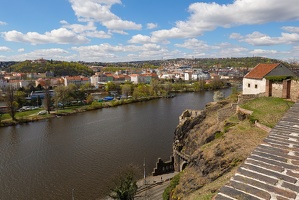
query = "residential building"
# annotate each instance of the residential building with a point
(254, 82)
(77, 80)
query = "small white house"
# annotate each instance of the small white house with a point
(254, 82)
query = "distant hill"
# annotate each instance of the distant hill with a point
(248, 62)
(63, 68)
(60, 68)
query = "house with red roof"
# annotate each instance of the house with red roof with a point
(255, 81)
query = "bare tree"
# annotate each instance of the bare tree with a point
(11, 102)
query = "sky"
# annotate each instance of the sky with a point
(138, 30)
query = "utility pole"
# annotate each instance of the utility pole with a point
(144, 173)
(73, 198)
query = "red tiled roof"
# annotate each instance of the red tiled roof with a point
(261, 70)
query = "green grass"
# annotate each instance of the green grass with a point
(268, 110)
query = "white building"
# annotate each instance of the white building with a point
(77, 80)
(254, 82)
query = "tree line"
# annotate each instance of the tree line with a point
(65, 95)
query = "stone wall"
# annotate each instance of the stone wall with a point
(247, 97)
(294, 90)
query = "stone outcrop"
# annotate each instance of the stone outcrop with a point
(210, 152)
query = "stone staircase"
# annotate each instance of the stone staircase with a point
(272, 170)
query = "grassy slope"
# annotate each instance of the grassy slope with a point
(215, 162)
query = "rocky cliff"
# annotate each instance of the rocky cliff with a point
(215, 149)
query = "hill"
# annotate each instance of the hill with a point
(60, 68)
(217, 148)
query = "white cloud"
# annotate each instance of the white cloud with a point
(260, 39)
(141, 39)
(196, 44)
(235, 36)
(89, 30)
(4, 49)
(208, 16)
(151, 25)
(100, 11)
(78, 28)
(59, 36)
(292, 29)
(107, 52)
(263, 52)
(21, 50)
(118, 24)
(97, 34)
(2, 23)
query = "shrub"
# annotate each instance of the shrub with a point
(173, 183)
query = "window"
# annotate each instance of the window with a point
(255, 86)
(248, 84)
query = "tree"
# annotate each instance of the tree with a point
(62, 95)
(126, 89)
(20, 97)
(11, 103)
(167, 87)
(110, 86)
(89, 99)
(155, 86)
(125, 185)
(218, 96)
(48, 100)
(141, 90)
(196, 86)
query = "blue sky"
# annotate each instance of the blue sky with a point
(131, 30)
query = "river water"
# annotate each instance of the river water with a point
(78, 154)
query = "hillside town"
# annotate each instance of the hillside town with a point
(183, 71)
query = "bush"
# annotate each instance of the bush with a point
(96, 105)
(173, 183)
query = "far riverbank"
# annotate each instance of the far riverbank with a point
(32, 115)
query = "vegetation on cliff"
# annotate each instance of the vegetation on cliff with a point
(217, 148)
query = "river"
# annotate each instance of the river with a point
(78, 154)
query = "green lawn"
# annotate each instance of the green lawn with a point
(268, 110)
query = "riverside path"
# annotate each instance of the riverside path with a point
(272, 170)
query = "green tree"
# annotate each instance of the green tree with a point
(124, 185)
(196, 86)
(110, 86)
(86, 86)
(89, 99)
(62, 95)
(141, 90)
(167, 87)
(155, 86)
(126, 89)
(20, 98)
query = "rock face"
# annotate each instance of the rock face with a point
(212, 147)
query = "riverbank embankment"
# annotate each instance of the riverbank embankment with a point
(33, 115)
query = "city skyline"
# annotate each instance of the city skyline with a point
(127, 30)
